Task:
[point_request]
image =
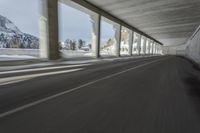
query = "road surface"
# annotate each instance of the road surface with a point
(146, 95)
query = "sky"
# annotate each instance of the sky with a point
(73, 24)
(77, 24)
(23, 16)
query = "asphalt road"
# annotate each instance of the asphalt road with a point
(149, 95)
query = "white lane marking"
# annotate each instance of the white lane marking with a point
(43, 68)
(8, 80)
(71, 90)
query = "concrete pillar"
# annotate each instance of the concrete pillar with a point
(160, 49)
(153, 44)
(44, 52)
(144, 45)
(49, 30)
(139, 44)
(149, 47)
(133, 43)
(96, 30)
(117, 38)
(155, 48)
(130, 42)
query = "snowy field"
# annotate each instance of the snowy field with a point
(15, 57)
(7, 54)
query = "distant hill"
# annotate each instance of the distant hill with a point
(12, 37)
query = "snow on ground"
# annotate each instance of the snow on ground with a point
(15, 57)
(75, 53)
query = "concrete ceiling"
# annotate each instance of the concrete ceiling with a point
(171, 22)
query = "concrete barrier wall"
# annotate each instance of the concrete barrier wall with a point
(192, 50)
(175, 50)
(169, 50)
(13, 51)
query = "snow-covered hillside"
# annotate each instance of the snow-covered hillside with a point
(12, 37)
